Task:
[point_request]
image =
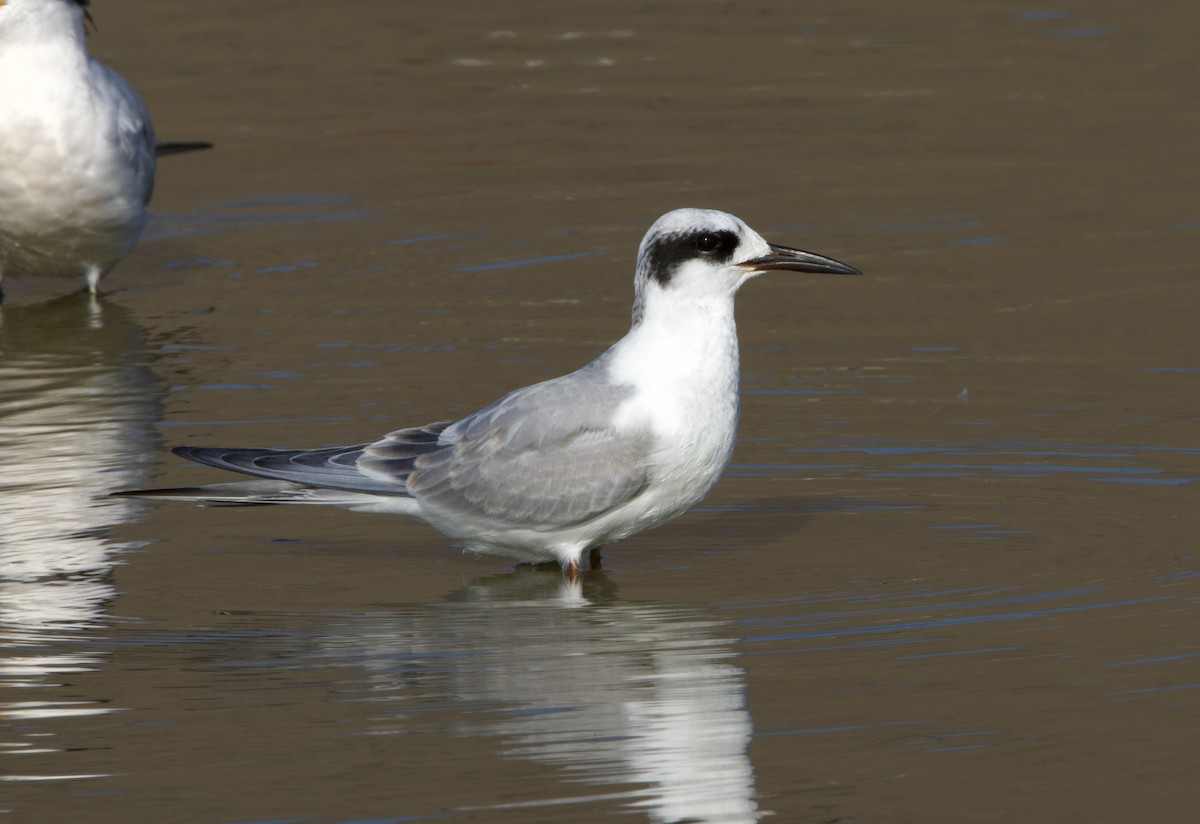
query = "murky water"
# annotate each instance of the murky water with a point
(951, 575)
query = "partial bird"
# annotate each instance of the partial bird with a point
(77, 148)
(548, 472)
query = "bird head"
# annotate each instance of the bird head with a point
(702, 254)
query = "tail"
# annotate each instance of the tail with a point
(172, 147)
(242, 493)
(269, 492)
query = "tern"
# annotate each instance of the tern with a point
(631, 440)
(77, 148)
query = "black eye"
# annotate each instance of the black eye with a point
(708, 243)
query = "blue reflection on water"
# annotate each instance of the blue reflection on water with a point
(257, 210)
(1088, 458)
(533, 261)
(1084, 32)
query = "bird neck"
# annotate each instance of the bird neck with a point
(686, 343)
(53, 25)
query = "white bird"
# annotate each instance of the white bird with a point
(631, 440)
(77, 149)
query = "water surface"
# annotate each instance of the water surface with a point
(950, 575)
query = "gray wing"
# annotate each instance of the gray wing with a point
(333, 468)
(545, 456)
(542, 457)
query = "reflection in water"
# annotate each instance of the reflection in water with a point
(75, 418)
(610, 693)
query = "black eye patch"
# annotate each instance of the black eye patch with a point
(667, 253)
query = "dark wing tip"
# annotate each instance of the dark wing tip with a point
(173, 147)
(218, 456)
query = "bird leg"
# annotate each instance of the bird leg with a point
(94, 273)
(571, 570)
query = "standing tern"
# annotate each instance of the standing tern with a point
(633, 439)
(77, 149)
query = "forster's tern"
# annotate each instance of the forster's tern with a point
(77, 149)
(629, 441)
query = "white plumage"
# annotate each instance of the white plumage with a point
(77, 148)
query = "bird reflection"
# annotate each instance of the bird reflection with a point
(614, 694)
(76, 419)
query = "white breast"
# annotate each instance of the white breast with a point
(78, 161)
(684, 367)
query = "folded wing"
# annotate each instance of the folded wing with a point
(543, 457)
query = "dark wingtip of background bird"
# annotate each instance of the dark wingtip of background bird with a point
(173, 147)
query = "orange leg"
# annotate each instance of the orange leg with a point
(572, 571)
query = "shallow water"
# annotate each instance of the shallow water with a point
(950, 576)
